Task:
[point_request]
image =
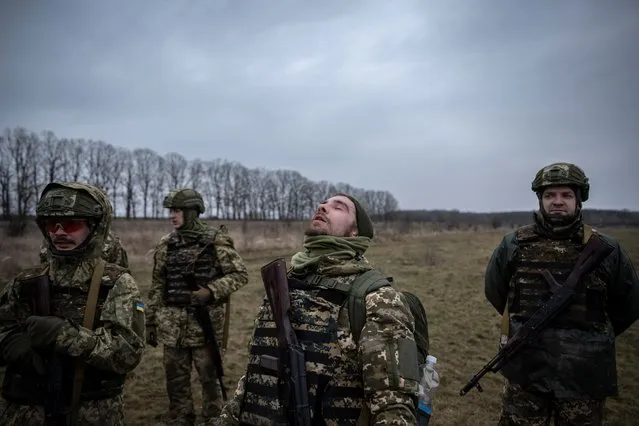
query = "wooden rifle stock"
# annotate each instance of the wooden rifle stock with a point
(291, 364)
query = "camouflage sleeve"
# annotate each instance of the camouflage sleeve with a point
(118, 344)
(158, 280)
(234, 272)
(388, 357)
(498, 273)
(230, 414)
(623, 291)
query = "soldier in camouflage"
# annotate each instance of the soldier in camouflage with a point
(74, 218)
(210, 255)
(570, 370)
(113, 251)
(373, 380)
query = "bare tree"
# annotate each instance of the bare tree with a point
(6, 175)
(159, 182)
(53, 155)
(22, 148)
(176, 169)
(146, 162)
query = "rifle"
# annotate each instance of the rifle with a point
(203, 318)
(54, 405)
(591, 257)
(291, 363)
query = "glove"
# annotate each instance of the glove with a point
(43, 330)
(16, 349)
(151, 335)
(202, 296)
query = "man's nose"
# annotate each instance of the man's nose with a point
(59, 230)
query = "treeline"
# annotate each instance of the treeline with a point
(137, 181)
(454, 219)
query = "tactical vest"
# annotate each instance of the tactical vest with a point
(335, 388)
(529, 290)
(575, 356)
(198, 258)
(28, 388)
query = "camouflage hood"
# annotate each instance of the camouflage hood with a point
(80, 201)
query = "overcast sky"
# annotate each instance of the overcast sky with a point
(446, 104)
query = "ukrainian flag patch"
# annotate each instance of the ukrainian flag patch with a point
(139, 306)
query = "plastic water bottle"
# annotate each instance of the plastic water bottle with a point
(429, 382)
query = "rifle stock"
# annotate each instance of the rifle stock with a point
(54, 407)
(591, 257)
(291, 364)
(203, 318)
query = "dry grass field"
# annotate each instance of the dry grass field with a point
(444, 268)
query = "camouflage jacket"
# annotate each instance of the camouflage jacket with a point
(116, 346)
(177, 326)
(387, 379)
(113, 251)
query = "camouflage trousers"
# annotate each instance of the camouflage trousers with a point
(105, 412)
(522, 408)
(177, 366)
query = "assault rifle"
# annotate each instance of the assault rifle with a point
(591, 257)
(39, 288)
(291, 363)
(203, 318)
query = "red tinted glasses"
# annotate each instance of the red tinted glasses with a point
(68, 225)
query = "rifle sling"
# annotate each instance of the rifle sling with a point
(505, 319)
(88, 322)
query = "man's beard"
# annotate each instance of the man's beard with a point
(314, 232)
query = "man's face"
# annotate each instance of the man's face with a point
(336, 217)
(559, 201)
(177, 217)
(67, 234)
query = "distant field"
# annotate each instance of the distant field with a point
(444, 269)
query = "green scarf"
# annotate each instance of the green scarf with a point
(329, 255)
(193, 226)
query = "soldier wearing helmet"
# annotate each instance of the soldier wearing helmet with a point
(112, 252)
(571, 369)
(210, 259)
(94, 324)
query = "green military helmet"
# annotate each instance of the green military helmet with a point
(562, 174)
(184, 198)
(64, 200)
(74, 200)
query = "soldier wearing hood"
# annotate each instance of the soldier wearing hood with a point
(372, 379)
(569, 371)
(218, 271)
(93, 362)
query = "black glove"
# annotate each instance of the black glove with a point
(151, 335)
(16, 349)
(43, 330)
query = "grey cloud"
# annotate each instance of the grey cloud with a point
(445, 104)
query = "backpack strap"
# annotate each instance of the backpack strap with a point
(368, 282)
